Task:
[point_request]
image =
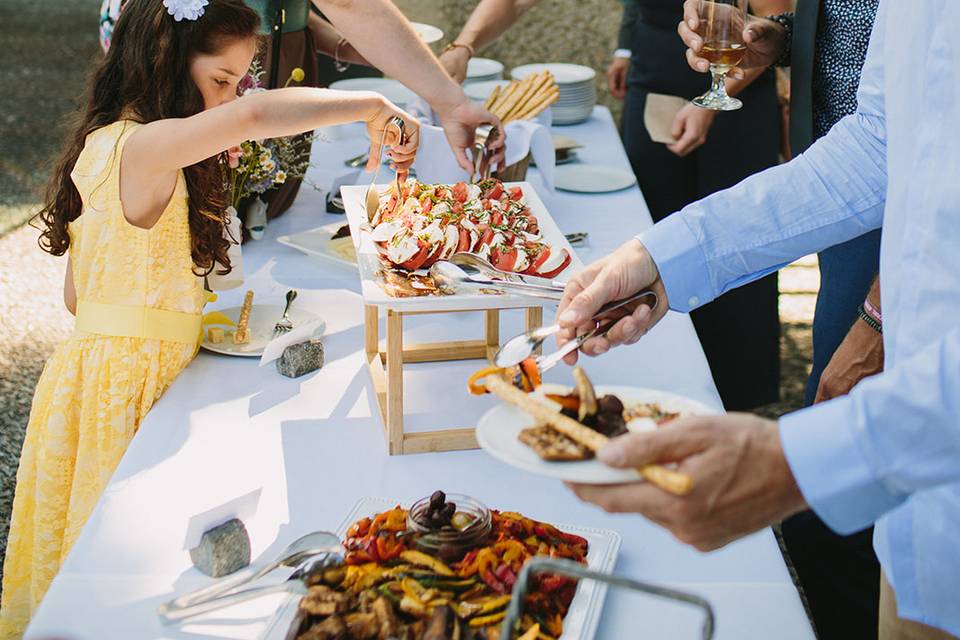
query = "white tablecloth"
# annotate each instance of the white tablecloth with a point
(294, 455)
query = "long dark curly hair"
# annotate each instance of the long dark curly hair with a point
(145, 75)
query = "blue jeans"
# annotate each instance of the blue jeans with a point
(846, 272)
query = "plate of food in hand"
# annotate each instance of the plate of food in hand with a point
(418, 224)
(555, 431)
(245, 330)
(445, 567)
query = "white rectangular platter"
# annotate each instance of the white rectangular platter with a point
(581, 621)
(319, 242)
(369, 264)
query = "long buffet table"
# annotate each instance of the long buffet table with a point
(293, 456)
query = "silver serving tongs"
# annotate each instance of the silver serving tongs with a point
(485, 134)
(556, 566)
(372, 198)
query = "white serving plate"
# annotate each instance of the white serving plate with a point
(591, 178)
(319, 242)
(582, 618)
(389, 88)
(369, 261)
(484, 69)
(427, 32)
(499, 428)
(480, 91)
(263, 317)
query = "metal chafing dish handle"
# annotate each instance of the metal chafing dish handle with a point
(573, 570)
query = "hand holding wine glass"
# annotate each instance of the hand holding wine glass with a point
(765, 40)
(722, 23)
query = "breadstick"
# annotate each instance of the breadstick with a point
(515, 97)
(540, 84)
(492, 98)
(668, 480)
(542, 103)
(242, 334)
(504, 96)
(528, 85)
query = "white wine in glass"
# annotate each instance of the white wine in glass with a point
(722, 23)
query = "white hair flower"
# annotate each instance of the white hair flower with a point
(189, 9)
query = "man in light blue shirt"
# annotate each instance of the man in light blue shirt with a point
(889, 452)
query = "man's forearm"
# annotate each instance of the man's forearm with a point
(379, 32)
(490, 19)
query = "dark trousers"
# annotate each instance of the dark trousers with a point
(840, 577)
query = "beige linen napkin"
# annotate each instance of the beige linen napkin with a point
(659, 114)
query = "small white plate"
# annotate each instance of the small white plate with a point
(427, 32)
(592, 178)
(263, 317)
(499, 428)
(389, 88)
(483, 68)
(320, 242)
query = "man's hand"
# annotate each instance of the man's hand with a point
(455, 63)
(860, 355)
(765, 40)
(460, 124)
(624, 272)
(690, 128)
(617, 77)
(741, 479)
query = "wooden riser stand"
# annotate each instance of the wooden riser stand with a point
(386, 372)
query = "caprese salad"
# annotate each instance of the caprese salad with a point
(423, 223)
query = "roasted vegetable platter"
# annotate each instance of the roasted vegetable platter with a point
(472, 587)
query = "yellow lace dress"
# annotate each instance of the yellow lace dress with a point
(138, 319)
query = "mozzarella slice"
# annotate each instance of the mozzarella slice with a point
(451, 240)
(523, 260)
(403, 250)
(473, 192)
(386, 230)
(554, 260)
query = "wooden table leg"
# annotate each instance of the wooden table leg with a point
(394, 382)
(492, 332)
(371, 329)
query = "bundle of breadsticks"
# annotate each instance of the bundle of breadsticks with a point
(523, 99)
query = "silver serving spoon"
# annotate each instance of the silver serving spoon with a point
(450, 278)
(296, 552)
(309, 572)
(520, 347)
(473, 264)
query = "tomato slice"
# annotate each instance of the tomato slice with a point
(538, 261)
(505, 260)
(426, 204)
(457, 208)
(496, 191)
(460, 192)
(496, 218)
(516, 193)
(558, 270)
(487, 236)
(463, 244)
(418, 259)
(433, 257)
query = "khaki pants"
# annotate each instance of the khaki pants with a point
(895, 628)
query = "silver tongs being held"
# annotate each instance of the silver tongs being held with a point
(485, 134)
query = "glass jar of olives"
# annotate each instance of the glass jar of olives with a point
(448, 526)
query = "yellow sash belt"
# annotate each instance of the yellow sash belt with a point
(137, 322)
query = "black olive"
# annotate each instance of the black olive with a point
(610, 404)
(570, 413)
(437, 498)
(448, 510)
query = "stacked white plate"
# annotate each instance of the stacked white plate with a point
(391, 89)
(480, 91)
(578, 94)
(483, 70)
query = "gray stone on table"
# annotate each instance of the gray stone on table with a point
(301, 358)
(223, 549)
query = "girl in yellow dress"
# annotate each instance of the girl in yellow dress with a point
(138, 200)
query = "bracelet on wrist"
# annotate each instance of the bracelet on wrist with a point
(338, 64)
(460, 45)
(871, 309)
(872, 322)
(785, 20)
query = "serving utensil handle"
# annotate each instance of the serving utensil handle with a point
(175, 615)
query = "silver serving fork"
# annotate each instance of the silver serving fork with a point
(284, 324)
(485, 134)
(373, 197)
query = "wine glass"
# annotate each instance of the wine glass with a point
(722, 23)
